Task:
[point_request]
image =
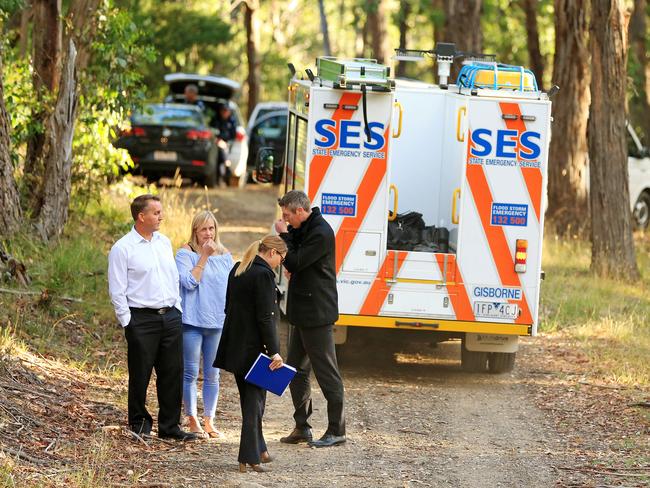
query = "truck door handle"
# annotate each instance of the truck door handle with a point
(455, 218)
(394, 189)
(399, 120)
(460, 136)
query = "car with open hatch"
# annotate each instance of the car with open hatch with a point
(165, 137)
(215, 93)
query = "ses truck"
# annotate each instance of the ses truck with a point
(435, 195)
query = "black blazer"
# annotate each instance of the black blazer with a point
(250, 325)
(312, 298)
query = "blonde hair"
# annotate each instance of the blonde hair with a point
(198, 220)
(265, 244)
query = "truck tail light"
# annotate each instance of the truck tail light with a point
(240, 134)
(521, 255)
(194, 134)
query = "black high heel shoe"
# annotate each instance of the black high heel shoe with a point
(255, 467)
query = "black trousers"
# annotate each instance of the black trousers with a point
(252, 400)
(155, 341)
(314, 347)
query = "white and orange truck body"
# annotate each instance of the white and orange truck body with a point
(470, 161)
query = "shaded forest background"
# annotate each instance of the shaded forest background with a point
(71, 71)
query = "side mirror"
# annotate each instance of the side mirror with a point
(264, 165)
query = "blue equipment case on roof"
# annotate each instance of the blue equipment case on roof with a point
(496, 76)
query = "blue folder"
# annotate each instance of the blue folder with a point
(273, 381)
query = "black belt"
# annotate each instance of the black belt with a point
(159, 311)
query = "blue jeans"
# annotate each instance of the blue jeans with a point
(197, 341)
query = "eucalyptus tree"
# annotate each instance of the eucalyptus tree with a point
(567, 177)
(612, 245)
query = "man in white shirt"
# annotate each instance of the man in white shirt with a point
(143, 284)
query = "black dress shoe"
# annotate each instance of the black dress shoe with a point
(328, 440)
(179, 435)
(141, 429)
(297, 436)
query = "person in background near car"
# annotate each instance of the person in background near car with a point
(249, 329)
(224, 121)
(203, 265)
(191, 94)
(144, 287)
(312, 309)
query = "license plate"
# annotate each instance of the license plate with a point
(496, 310)
(165, 155)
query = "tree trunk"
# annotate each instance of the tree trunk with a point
(567, 180)
(376, 22)
(361, 29)
(469, 37)
(404, 13)
(82, 18)
(324, 30)
(58, 152)
(252, 34)
(638, 35)
(534, 53)
(612, 246)
(10, 213)
(46, 43)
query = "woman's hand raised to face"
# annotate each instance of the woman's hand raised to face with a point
(276, 362)
(209, 247)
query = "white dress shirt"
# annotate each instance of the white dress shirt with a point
(142, 274)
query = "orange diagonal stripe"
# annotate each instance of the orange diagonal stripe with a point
(532, 176)
(457, 292)
(366, 192)
(319, 164)
(495, 236)
(379, 289)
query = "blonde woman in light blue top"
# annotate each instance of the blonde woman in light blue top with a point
(203, 266)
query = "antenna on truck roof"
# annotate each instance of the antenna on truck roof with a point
(445, 53)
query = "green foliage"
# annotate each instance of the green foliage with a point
(108, 88)
(9, 7)
(188, 36)
(112, 84)
(20, 102)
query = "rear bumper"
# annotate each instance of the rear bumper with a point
(238, 158)
(164, 168)
(435, 325)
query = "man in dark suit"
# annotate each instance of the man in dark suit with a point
(312, 309)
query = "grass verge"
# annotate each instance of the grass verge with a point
(609, 319)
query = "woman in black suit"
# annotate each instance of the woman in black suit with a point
(248, 330)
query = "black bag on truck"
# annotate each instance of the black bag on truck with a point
(405, 232)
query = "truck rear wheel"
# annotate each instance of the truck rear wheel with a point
(472, 361)
(501, 362)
